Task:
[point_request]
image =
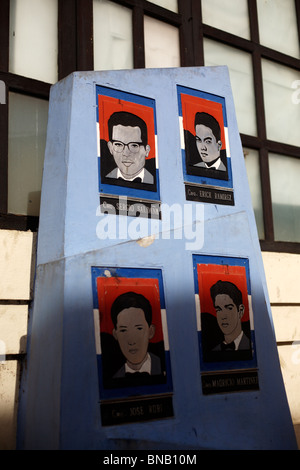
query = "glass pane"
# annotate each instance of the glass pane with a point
(161, 44)
(113, 49)
(168, 4)
(26, 146)
(241, 78)
(33, 42)
(230, 16)
(282, 110)
(252, 167)
(278, 25)
(284, 174)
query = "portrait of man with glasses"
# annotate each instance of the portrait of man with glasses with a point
(128, 147)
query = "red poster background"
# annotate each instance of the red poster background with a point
(110, 288)
(209, 274)
(192, 104)
(108, 105)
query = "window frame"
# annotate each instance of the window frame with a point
(75, 52)
(259, 142)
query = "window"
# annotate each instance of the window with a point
(28, 67)
(260, 46)
(27, 127)
(284, 173)
(229, 16)
(252, 166)
(169, 4)
(257, 39)
(282, 115)
(33, 43)
(112, 38)
(277, 21)
(239, 64)
(161, 44)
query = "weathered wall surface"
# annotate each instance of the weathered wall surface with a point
(17, 263)
(282, 274)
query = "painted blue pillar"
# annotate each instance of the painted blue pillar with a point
(168, 237)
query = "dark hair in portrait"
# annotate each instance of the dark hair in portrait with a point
(124, 118)
(209, 121)
(111, 160)
(112, 357)
(195, 165)
(228, 288)
(211, 334)
(128, 300)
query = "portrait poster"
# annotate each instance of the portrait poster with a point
(127, 146)
(205, 147)
(225, 323)
(134, 370)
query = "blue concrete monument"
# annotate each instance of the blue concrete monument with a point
(151, 326)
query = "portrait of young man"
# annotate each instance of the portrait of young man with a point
(131, 314)
(205, 148)
(204, 143)
(228, 303)
(132, 344)
(224, 309)
(208, 142)
(127, 152)
(225, 330)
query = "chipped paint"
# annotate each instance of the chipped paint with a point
(146, 241)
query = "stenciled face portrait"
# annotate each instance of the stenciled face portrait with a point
(132, 323)
(128, 150)
(207, 145)
(133, 334)
(132, 347)
(127, 154)
(229, 316)
(204, 144)
(208, 142)
(224, 309)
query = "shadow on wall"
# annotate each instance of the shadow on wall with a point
(33, 203)
(10, 381)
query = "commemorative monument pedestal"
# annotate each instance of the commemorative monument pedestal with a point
(151, 326)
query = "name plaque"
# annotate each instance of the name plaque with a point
(145, 409)
(225, 382)
(130, 207)
(209, 194)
